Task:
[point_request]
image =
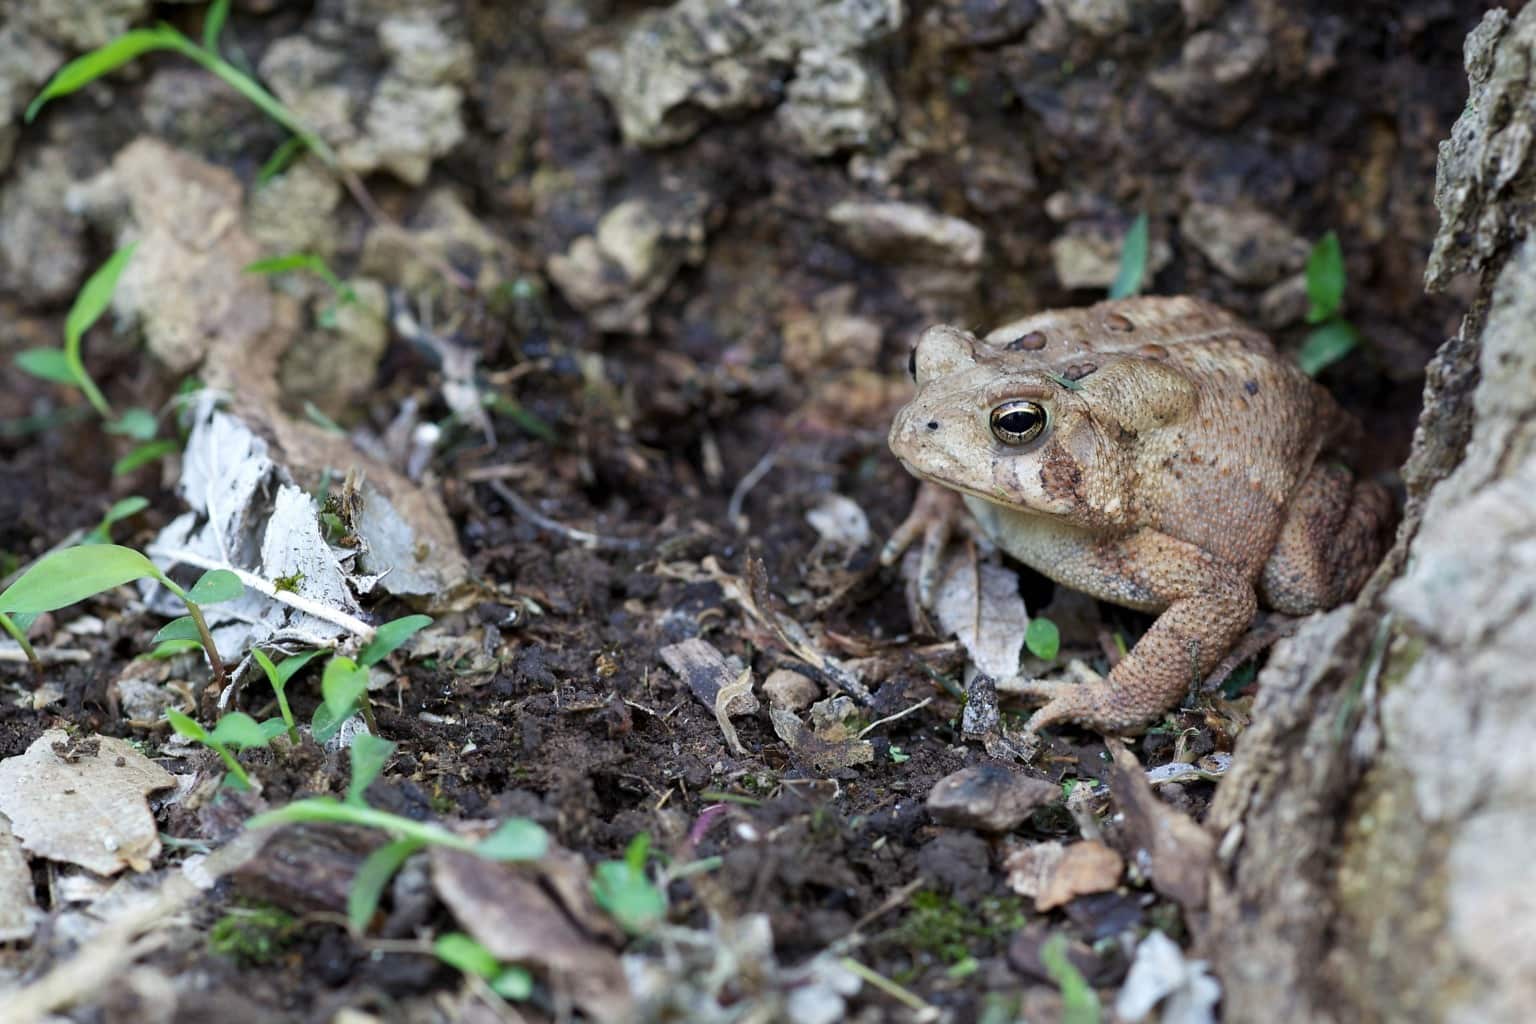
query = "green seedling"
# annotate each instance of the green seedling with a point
(101, 533)
(517, 838)
(64, 577)
(236, 729)
(622, 888)
(66, 365)
(1133, 261)
(278, 676)
(345, 296)
(253, 934)
(1333, 337)
(507, 980)
(1079, 1002)
(1042, 638)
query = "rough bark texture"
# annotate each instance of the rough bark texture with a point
(1396, 732)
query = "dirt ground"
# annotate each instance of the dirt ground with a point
(683, 380)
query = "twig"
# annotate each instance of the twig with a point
(57, 655)
(906, 997)
(891, 718)
(745, 484)
(350, 623)
(543, 522)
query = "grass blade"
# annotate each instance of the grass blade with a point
(85, 69)
(1325, 279)
(1133, 261)
(87, 309)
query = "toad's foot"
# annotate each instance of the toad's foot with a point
(1099, 705)
(935, 513)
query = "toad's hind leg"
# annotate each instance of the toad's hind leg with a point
(1334, 533)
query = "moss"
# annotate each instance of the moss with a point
(940, 927)
(253, 934)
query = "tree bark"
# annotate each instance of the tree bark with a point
(1376, 834)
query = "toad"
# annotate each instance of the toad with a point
(1152, 452)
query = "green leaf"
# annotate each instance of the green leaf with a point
(187, 727)
(515, 839)
(369, 754)
(101, 533)
(1042, 638)
(390, 636)
(272, 728)
(216, 586)
(638, 850)
(371, 878)
(61, 578)
(24, 620)
(238, 729)
(213, 24)
(1325, 279)
(281, 157)
(324, 725)
(284, 263)
(178, 629)
(290, 666)
(136, 423)
(1079, 1002)
(514, 982)
(47, 363)
(171, 648)
(460, 951)
(628, 896)
(1326, 346)
(84, 70)
(89, 304)
(143, 454)
(1133, 261)
(343, 684)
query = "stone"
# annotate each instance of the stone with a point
(988, 798)
(788, 690)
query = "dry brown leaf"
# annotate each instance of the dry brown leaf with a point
(979, 603)
(823, 756)
(509, 914)
(707, 674)
(1054, 875)
(1181, 854)
(82, 801)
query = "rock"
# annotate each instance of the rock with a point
(1247, 245)
(295, 211)
(830, 336)
(908, 233)
(963, 23)
(334, 367)
(42, 242)
(442, 228)
(1218, 75)
(399, 122)
(836, 719)
(80, 24)
(1088, 255)
(988, 797)
(835, 102)
(788, 690)
(614, 274)
(1100, 18)
(701, 58)
(28, 63)
(1284, 303)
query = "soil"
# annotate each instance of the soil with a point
(1028, 126)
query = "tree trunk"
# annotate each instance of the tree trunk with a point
(1377, 832)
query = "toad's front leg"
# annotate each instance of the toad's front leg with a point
(1208, 604)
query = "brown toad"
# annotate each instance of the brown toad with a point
(1152, 452)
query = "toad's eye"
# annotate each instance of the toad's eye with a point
(1017, 422)
(912, 363)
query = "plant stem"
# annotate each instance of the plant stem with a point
(231, 763)
(287, 713)
(333, 810)
(20, 636)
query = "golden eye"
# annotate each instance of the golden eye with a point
(1017, 422)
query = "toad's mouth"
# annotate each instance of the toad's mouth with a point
(967, 489)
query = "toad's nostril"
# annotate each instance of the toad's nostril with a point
(933, 424)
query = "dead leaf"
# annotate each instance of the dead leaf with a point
(728, 695)
(1180, 853)
(1054, 875)
(706, 671)
(82, 801)
(18, 907)
(823, 756)
(979, 603)
(839, 522)
(1161, 974)
(512, 917)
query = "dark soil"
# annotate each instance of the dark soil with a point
(579, 726)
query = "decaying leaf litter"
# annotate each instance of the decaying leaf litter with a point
(713, 484)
